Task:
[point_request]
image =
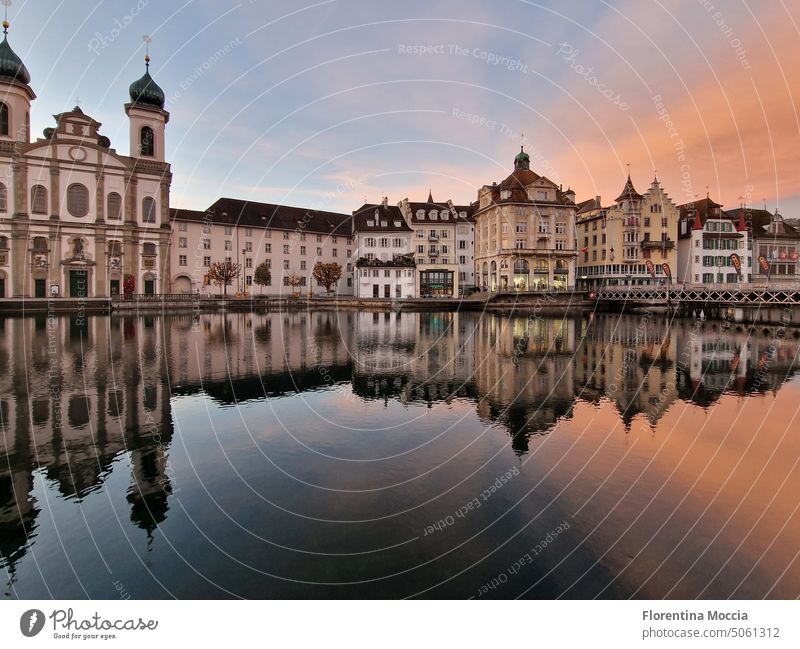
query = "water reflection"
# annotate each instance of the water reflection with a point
(79, 395)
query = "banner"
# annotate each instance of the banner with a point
(667, 271)
(736, 262)
(651, 268)
(762, 261)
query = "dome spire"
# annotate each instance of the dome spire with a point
(145, 91)
(11, 66)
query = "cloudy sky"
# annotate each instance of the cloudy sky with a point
(324, 103)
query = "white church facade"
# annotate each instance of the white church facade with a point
(76, 217)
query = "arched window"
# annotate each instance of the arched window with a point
(77, 200)
(114, 206)
(149, 249)
(3, 197)
(38, 199)
(149, 210)
(114, 249)
(4, 119)
(40, 244)
(147, 141)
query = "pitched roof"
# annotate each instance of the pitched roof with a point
(234, 211)
(384, 218)
(588, 206)
(517, 183)
(760, 222)
(427, 207)
(629, 191)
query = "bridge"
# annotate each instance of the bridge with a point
(729, 295)
(775, 305)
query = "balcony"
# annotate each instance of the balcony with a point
(669, 244)
(433, 237)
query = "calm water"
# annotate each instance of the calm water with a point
(379, 455)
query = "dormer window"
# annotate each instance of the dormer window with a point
(445, 215)
(421, 215)
(384, 224)
(397, 224)
(370, 224)
(433, 214)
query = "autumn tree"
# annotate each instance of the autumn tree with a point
(295, 281)
(262, 276)
(327, 274)
(222, 273)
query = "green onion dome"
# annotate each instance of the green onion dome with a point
(11, 66)
(145, 91)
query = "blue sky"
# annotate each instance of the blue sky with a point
(325, 103)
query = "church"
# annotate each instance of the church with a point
(77, 218)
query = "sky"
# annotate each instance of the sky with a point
(326, 103)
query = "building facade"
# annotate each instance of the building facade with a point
(442, 246)
(76, 216)
(525, 233)
(384, 264)
(774, 239)
(290, 240)
(617, 242)
(707, 238)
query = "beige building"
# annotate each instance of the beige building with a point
(525, 233)
(76, 216)
(291, 240)
(617, 242)
(442, 246)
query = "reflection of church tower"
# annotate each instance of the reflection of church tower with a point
(151, 487)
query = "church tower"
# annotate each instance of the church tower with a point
(15, 94)
(147, 117)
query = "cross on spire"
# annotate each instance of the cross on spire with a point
(6, 4)
(147, 40)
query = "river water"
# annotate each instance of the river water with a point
(356, 454)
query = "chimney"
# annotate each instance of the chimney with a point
(597, 200)
(385, 202)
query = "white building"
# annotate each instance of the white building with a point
(707, 237)
(291, 240)
(76, 216)
(384, 267)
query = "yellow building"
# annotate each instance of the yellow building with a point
(615, 243)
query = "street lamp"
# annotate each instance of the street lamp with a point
(241, 272)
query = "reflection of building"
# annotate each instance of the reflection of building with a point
(616, 243)
(79, 393)
(75, 215)
(524, 373)
(630, 361)
(524, 233)
(413, 356)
